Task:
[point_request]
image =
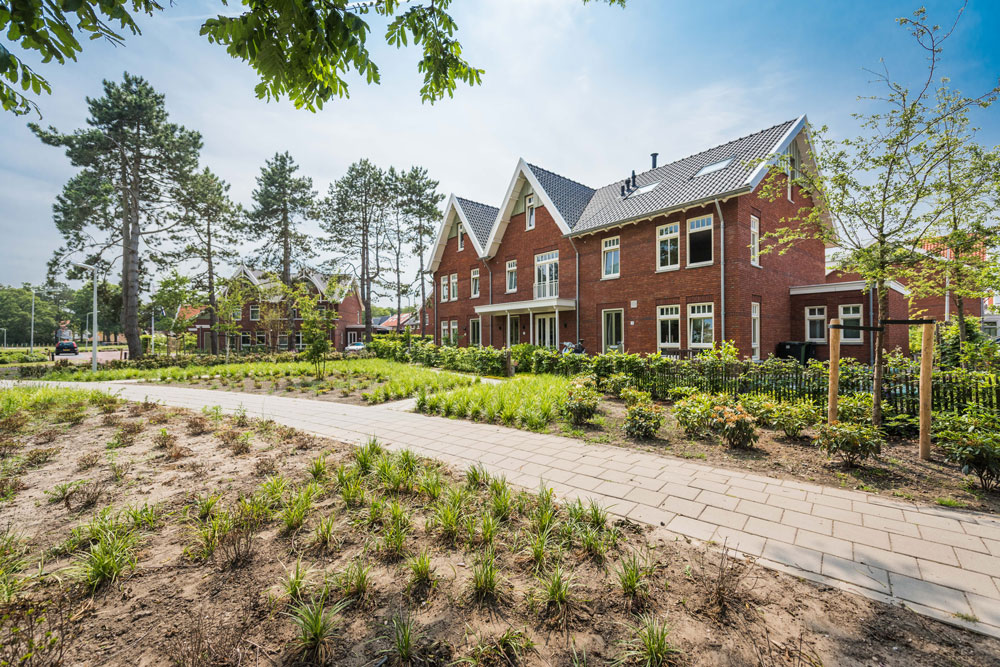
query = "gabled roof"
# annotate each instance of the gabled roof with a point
(479, 216)
(476, 219)
(569, 197)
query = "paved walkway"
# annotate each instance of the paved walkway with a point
(939, 562)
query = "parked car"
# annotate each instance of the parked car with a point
(355, 348)
(65, 346)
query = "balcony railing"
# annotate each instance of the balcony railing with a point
(546, 289)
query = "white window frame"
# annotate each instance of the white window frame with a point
(282, 341)
(461, 239)
(236, 314)
(454, 333)
(755, 330)
(255, 313)
(454, 286)
(815, 313)
(667, 232)
(857, 337)
(477, 340)
(445, 336)
(298, 341)
(754, 240)
(514, 331)
(697, 311)
(608, 245)
(669, 313)
(529, 212)
(604, 322)
(545, 261)
(711, 243)
(511, 270)
(474, 283)
(444, 288)
(245, 339)
(260, 338)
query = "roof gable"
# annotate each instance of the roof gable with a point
(476, 219)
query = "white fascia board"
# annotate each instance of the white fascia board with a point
(758, 174)
(442, 238)
(848, 286)
(523, 171)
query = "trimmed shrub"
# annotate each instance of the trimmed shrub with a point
(762, 407)
(581, 401)
(615, 384)
(793, 418)
(855, 409)
(677, 393)
(643, 420)
(633, 396)
(694, 413)
(736, 426)
(972, 441)
(852, 443)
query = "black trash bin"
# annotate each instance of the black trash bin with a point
(798, 350)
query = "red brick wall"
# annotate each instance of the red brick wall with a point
(896, 336)
(351, 312)
(463, 309)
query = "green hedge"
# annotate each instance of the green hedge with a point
(481, 360)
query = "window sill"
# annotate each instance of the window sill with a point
(611, 277)
(756, 265)
(818, 342)
(701, 347)
(699, 265)
(852, 342)
(667, 269)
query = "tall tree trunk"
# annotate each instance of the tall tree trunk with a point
(878, 373)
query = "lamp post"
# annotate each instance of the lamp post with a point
(93, 346)
(32, 349)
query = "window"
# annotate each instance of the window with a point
(298, 340)
(529, 212)
(454, 332)
(461, 239)
(474, 282)
(700, 241)
(668, 252)
(851, 314)
(755, 330)
(444, 288)
(669, 325)
(512, 276)
(236, 314)
(701, 325)
(254, 313)
(352, 337)
(475, 332)
(990, 328)
(454, 287)
(610, 257)
(641, 190)
(547, 274)
(794, 163)
(755, 240)
(261, 338)
(245, 339)
(816, 324)
(445, 338)
(715, 166)
(514, 331)
(282, 341)
(613, 335)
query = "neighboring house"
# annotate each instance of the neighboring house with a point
(667, 260)
(339, 292)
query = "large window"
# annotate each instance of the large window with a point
(611, 257)
(701, 325)
(850, 314)
(547, 274)
(445, 332)
(755, 330)
(454, 287)
(613, 330)
(669, 325)
(755, 240)
(475, 332)
(454, 332)
(512, 276)
(816, 324)
(444, 288)
(514, 331)
(461, 238)
(668, 246)
(254, 313)
(529, 212)
(474, 282)
(699, 241)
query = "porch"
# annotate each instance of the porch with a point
(542, 317)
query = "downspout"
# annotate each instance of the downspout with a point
(577, 294)
(489, 271)
(436, 297)
(722, 272)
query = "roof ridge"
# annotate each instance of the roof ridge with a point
(566, 178)
(473, 201)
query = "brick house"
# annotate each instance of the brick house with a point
(339, 291)
(665, 261)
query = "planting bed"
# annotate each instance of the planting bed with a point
(202, 539)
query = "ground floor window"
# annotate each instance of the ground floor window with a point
(298, 340)
(475, 332)
(445, 329)
(454, 332)
(613, 330)
(514, 331)
(282, 341)
(755, 330)
(669, 326)
(245, 339)
(261, 338)
(545, 330)
(990, 328)
(816, 324)
(850, 314)
(701, 325)
(352, 337)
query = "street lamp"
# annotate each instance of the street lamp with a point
(93, 333)
(32, 349)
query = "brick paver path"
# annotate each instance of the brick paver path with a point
(939, 562)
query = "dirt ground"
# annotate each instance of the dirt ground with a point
(333, 390)
(176, 609)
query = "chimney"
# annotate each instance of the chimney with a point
(633, 178)
(653, 155)
(623, 191)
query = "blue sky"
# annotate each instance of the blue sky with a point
(587, 91)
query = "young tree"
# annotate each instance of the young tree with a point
(213, 226)
(318, 325)
(274, 309)
(281, 202)
(421, 201)
(872, 194)
(133, 162)
(173, 291)
(397, 233)
(354, 217)
(233, 296)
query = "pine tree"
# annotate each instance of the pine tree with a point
(421, 201)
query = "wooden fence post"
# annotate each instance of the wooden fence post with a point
(926, 368)
(834, 390)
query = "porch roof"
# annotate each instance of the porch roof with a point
(548, 304)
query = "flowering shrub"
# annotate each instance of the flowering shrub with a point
(793, 418)
(694, 413)
(762, 407)
(632, 396)
(735, 424)
(643, 420)
(581, 401)
(677, 393)
(853, 443)
(614, 384)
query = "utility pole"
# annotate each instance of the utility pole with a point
(152, 330)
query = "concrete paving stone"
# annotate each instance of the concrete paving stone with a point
(993, 546)
(722, 517)
(618, 506)
(751, 545)
(618, 476)
(682, 506)
(685, 525)
(986, 609)
(955, 577)
(887, 560)
(759, 510)
(856, 573)
(750, 477)
(921, 548)
(824, 543)
(748, 494)
(801, 486)
(672, 476)
(778, 490)
(748, 484)
(807, 521)
(556, 475)
(680, 491)
(770, 529)
(861, 535)
(837, 514)
(970, 542)
(714, 477)
(981, 530)
(978, 562)
(802, 506)
(793, 555)
(878, 510)
(889, 525)
(646, 497)
(717, 500)
(589, 470)
(844, 493)
(614, 489)
(708, 485)
(649, 483)
(620, 466)
(653, 516)
(585, 482)
(933, 595)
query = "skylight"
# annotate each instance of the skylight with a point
(715, 166)
(642, 190)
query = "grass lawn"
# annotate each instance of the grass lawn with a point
(157, 536)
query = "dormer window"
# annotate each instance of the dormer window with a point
(529, 212)
(461, 239)
(715, 166)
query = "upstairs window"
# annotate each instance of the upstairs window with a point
(254, 313)
(474, 281)
(529, 212)
(699, 241)
(816, 324)
(611, 257)
(850, 314)
(512, 276)
(755, 240)
(444, 288)
(668, 241)
(461, 238)
(547, 274)
(454, 287)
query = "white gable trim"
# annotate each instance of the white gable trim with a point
(521, 174)
(758, 174)
(441, 239)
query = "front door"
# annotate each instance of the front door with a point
(545, 330)
(613, 330)
(514, 332)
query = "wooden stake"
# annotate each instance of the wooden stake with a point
(926, 368)
(831, 410)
